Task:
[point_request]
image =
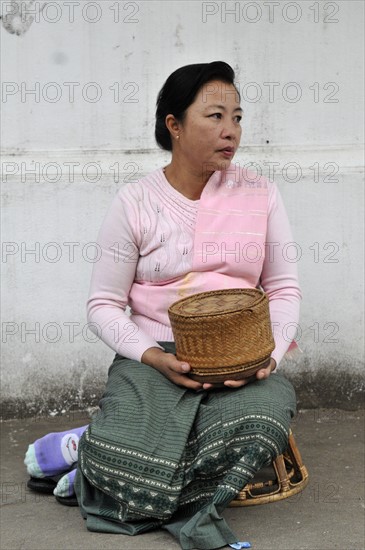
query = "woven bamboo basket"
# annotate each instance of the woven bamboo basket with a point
(223, 334)
(285, 477)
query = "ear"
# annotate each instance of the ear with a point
(172, 125)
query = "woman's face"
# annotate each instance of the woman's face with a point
(211, 131)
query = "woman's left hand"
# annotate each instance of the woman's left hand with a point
(261, 374)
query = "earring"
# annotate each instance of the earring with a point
(177, 137)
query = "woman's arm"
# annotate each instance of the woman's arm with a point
(111, 281)
(112, 277)
(279, 276)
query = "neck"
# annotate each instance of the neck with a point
(186, 180)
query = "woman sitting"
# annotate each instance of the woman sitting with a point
(165, 450)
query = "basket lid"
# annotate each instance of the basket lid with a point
(217, 302)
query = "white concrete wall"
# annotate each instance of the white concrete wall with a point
(299, 68)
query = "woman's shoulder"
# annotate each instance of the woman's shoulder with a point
(249, 175)
(135, 187)
(248, 178)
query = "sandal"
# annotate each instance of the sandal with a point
(67, 501)
(46, 486)
(43, 485)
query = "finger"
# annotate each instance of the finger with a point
(263, 373)
(185, 381)
(190, 384)
(181, 367)
(235, 383)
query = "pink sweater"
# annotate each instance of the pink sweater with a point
(158, 246)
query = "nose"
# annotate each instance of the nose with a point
(230, 129)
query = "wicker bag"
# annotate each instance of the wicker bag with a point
(223, 334)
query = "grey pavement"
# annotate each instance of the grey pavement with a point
(328, 514)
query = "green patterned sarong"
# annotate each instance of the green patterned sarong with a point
(159, 455)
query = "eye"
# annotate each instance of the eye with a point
(219, 115)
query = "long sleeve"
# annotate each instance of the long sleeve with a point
(279, 277)
(112, 277)
(145, 263)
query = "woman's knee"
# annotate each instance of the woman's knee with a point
(274, 396)
(271, 408)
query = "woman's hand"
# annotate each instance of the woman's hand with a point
(261, 374)
(176, 371)
(168, 365)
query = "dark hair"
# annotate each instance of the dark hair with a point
(180, 90)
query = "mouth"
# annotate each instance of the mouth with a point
(227, 151)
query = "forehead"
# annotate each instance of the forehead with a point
(217, 92)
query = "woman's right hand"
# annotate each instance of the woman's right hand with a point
(168, 365)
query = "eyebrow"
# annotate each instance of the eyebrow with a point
(223, 107)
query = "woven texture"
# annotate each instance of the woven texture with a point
(224, 333)
(290, 478)
(158, 454)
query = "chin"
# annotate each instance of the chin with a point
(221, 164)
(224, 164)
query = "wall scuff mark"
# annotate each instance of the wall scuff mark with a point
(18, 17)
